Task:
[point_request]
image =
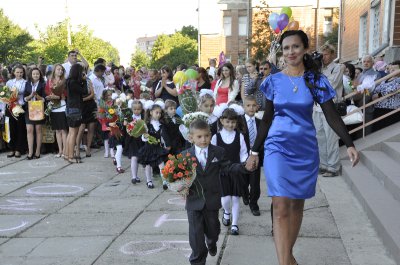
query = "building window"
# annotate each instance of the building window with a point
(242, 58)
(362, 42)
(374, 33)
(243, 26)
(227, 26)
(327, 25)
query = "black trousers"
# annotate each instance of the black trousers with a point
(253, 180)
(18, 133)
(204, 228)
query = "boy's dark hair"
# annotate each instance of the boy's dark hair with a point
(99, 61)
(198, 124)
(99, 68)
(170, 103)
(69, 53)
(127, 76)
(250, 98)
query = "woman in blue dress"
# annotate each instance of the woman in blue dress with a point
(291, 157)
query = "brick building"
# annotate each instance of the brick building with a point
(232, 31)
(370, 27)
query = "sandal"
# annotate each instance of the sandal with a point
(226, 222)
(150, 184)
(234, 230)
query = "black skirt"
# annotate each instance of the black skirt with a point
(89, 109)
(231, 186)
(152, 154)
(132, 146)
(28, 121)
(58, 121)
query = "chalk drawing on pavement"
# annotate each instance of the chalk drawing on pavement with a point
(26, 204)
(55, 190)
(176, 201)
(143, 248)
(164, 218)
(23, 223)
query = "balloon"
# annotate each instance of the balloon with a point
(277, 30)
(283, 20)
(273, 20)
(286, 10)
(294, 25)
(180, 78)
(191, 74)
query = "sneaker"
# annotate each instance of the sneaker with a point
(330, 174)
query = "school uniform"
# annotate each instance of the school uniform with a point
(133, 144)
(39, 88)
(252, 179)
(204, 199)
(172, 126)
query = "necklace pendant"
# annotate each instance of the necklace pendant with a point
(295, 89)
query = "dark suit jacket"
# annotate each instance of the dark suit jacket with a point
(206, 189)
(247, 138)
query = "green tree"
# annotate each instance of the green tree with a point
(190, 31)
(14, 41)
(173, 50)
(139, 59)
(261, 32)
(333, 36)
(53, 44)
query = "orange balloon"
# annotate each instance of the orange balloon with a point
(294, 25)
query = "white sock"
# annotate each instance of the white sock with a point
(235, 209)
(112, 152)
(148, 173)
(226, 204)
(134, 167)
(161, 166)
(118, 155)
(106, 148)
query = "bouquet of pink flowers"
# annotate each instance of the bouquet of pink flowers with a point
(137, 128)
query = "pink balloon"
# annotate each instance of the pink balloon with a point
(277, 30)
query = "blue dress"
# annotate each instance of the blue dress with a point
(291, 157)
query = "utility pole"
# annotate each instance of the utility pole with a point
(68, 25)
(248, 28)
(316, 37)
(198, 33)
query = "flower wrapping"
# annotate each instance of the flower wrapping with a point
(180, 173)
(187, 99)
(136, 128)
(190, 117)
(9, 96)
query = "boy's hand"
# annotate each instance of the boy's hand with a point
(252, 163)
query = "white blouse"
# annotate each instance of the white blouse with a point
(228, 137)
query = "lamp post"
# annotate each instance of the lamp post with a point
(198, 33)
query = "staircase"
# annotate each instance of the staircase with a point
(375, 181)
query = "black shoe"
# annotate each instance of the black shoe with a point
(212, 250)
(234, 230)
(256, 212)
(11, 155)
(133, 181)
(245, 200)
(226, 222)
(37, 157)
(150, 185)
(17, 154)
(165, 186)
(114, 161)
(29, 157)
(137, 180)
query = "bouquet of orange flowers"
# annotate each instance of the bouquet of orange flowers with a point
(180, 173)
(9, 96)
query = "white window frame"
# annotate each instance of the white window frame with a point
(328, 25)
(362, 40)
(227, 22)
(375, 28)
(387, 21)
(242, 25)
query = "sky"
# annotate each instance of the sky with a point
(120, 22)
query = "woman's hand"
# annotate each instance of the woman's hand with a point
(353, 155)
(252, 162)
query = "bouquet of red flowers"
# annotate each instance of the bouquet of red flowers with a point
(180, 173)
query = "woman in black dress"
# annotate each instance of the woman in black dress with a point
(75, 88)
(166, 88)
(34, 90)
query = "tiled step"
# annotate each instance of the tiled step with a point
(385, 169)
(379, 204)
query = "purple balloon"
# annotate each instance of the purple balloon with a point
(283, 21)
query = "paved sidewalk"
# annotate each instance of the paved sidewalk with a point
(55, 213)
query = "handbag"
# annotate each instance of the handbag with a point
(341, 108)
(36, 110)
(74, 114)
(47, 134)
(354, 118)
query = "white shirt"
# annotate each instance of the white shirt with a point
(20, 85)
(199, 154)
(228, 137)
(156, 126)
(138, 117)
(67, 66)
(98, 86)
(248, 118)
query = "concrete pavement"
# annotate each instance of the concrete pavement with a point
(55, 213)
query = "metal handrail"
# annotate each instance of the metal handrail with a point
(362, 108)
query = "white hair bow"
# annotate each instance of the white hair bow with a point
(238, 109)
(206, 92)
(148, 104)
(160, 103)
(219, 109)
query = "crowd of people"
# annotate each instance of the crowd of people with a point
(277, 114)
